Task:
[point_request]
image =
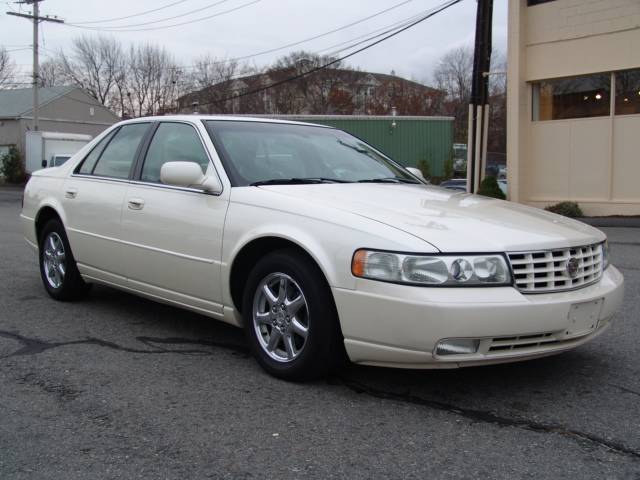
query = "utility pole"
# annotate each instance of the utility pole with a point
(36, 64)
(479, 103)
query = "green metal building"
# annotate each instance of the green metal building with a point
(405, 139)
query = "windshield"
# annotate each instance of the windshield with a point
(262, 153)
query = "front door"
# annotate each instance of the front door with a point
(173, 235)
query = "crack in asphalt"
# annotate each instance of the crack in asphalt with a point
(624, 389)
(633, 244)
(34, 346)
(490, 417)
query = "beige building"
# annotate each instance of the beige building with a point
(573, 103)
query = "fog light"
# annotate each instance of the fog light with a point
(457, 346)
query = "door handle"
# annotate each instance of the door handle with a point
(136, 203)
(71, 193)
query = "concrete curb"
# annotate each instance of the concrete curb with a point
(622, 222)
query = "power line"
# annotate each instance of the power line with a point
(173, 25)
(315, 37)
(130, 16)
(116, 28)
(293, 78)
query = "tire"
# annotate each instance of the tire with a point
(305, 356)
(58, 269)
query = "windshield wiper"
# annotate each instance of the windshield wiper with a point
(296, 181)
(389, 180)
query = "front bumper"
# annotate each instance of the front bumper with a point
(399, 326)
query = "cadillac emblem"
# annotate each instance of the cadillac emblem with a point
(573, 265)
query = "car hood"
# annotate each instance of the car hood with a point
(450, 221)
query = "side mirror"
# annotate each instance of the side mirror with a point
(417, 172)
(189, 174)
(44, 164)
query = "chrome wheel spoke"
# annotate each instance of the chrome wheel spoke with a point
(274, 339)
(299, 329)
(294, 306)
(282, 289)
(289, 346)
(263, 318)
(271, 298)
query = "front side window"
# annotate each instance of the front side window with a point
(89, 162)
(118, 156)
(628, 92)
(577, 97)
(173, 142)
(259, 152)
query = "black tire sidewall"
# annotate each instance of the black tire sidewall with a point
(315, 360)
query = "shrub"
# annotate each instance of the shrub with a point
(424, 167)
(568, 209)
(489, 188)
(11, 166)
(448, 169)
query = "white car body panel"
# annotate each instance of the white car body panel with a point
(181, 246)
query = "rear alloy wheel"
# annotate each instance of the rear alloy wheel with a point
(58, 269)
(290, 318)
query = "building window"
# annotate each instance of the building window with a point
(628, 92)
(537, 2)
(577, 97)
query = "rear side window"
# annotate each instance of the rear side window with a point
(118, 156)
(173, 142)
(90, 160)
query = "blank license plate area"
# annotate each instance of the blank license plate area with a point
(583, 318)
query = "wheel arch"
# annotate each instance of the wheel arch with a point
(251, 251)
(45, 213)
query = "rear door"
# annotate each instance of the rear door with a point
(173, 235)
(93, 200)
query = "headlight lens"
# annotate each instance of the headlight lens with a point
(436, 270)
(605, 255)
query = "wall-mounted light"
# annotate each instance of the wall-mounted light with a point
(598, 96)
(394, 113)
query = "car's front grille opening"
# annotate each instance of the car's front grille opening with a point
(556, 270)
(502, 344)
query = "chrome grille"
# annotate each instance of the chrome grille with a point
(546, 271)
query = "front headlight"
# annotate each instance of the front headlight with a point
(434, 270)
(605, 255)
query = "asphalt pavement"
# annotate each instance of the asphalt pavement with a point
(116, 386)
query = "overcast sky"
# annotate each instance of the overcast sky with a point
(262, 25)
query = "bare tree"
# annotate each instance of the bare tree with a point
(453, 75)
(209, 71)
(94, 64)
(52, 73)
(153, 80)
(7, 68)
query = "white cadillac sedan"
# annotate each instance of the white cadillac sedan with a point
(316, 244)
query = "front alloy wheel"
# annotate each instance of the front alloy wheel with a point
(290, 318)
(281, 317)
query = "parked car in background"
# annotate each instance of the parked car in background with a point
(316, 243)
(458, 184)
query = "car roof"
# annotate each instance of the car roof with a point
(228, 118)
